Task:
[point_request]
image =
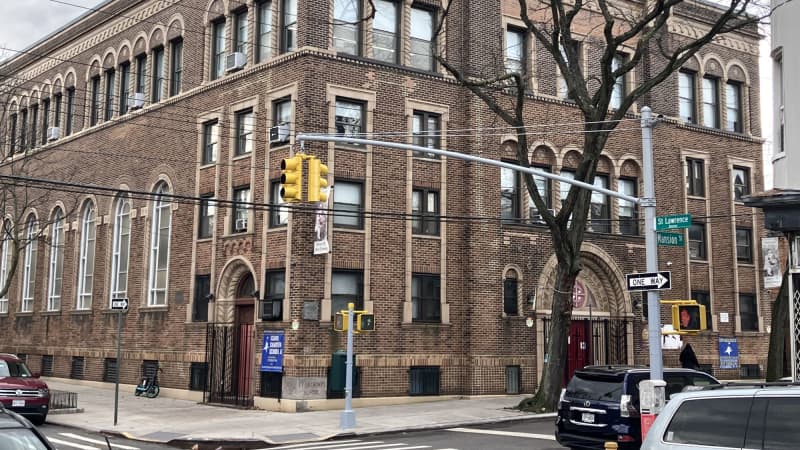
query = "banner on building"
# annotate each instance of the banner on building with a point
(321, 244)
(772, 264)
(728, 353)
(272, 351)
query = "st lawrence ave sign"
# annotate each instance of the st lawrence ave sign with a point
(119, 304)
(673, 222)
(649, 281)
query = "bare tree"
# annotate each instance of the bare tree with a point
(637, 29)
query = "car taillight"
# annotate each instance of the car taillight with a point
(625, 438)
(626, 408)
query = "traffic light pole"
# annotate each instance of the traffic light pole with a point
(348, 417)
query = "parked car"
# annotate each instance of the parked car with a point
(601, 404)
(16, 433)
(22, 391)
(730, 417)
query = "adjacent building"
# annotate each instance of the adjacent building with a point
(166, 123)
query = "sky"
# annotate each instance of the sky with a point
(23, 22)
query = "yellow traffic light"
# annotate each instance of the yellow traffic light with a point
(317, 180)
(292, 179)
(689, 318)
(365, 322)
(340, 322)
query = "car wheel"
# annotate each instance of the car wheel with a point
(39, 420)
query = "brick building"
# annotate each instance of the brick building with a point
(171, 120)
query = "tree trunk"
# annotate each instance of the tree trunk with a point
(776, 360)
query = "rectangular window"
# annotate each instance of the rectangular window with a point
(628, 211)
(744, 245)
(710, 102)
(425, 206)
(202, 292)
(23, 131)
(697, 241)
(141, 73)
(210, 139)
(34, 125)
(217, 49)
(425, 298)
(704, 298)
(278, 216)
(288, 26)
(618, 93)
(348, 203)
(241, 208)
(176, 67)
(94, 108)
(273, 298)
(384, 31)
(124, 87)
(245, 124)
(600, 211)
(77, 367)
(158, 74)
(748, 312)
(208, 212)
(347, 286)
(45, 119)
(13, 132)
(777, 69)
(58, 98)
(544, 187)
(515, 50)
(109, 109)
(741, 182)
(264, 26)
(426, 131)
(733, 107)
(110, 370)
(282, 115)
(349, 120)
(346, 29)
(686, 96)
(47, 365)
(510, 298)
(70, 110)
(695, 177)
(509, 194)
(420, 55)
(198, 374)
(423, 380)
(562, 87)
(240, 38)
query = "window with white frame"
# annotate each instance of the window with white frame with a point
(29, 271)
(600, 211)
(544, 186)
(158, 74)
(245, 125)
(420, 55)
(288, 26)
(86, 263)
(348, 204)
(509, 194)
(628, 213)
(161, 229)
(733, 107)
(385, 31)
(241, 208)
(741, 182)
(176, 67)
(5, 260)
(124, 87)
(240, 38)
(515, 50)
(217, 49)
(711, 102)
(618, 92)
(426, 130)
(349, 118)
(94, 107)
(562, 87)
(347, 286)
(210, 140)
(425, 207)
(206, 221)
(346, 26)
(686, 96)
(56, 261)
(108, 111)
(278, 215)
(264, 27)
(121, 249)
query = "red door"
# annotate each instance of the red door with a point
(578, 351)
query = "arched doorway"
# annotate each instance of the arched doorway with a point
(244, 319)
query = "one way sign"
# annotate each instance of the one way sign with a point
(649, 281)
(119, 304)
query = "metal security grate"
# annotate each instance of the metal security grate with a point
(198, 374)
(149, 368)
(271, 384)
(110, 369)
(77, 368)
(63, 400)
(513, 379)
(750, 371)
(423, 380)
(47, 365)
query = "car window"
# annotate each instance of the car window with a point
(594, 388)
(675, 383)
(20, 439)
(13, 369)
(703, 380)
(714, 421)
(781, 430)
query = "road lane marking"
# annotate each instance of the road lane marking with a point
(96, 441)
(70, 444)
(309, 444)
(546, 437)
(341, 445)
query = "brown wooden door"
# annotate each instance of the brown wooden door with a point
(244, 348)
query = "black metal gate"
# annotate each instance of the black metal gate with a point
(609, 339)
(229, 352)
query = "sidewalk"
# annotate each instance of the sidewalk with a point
(181, 422)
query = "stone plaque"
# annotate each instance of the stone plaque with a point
(311, 310)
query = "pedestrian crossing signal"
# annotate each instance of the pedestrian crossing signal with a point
(340, 322)
(689, 318)
(365, 322)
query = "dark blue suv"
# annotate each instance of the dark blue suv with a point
(601, 404)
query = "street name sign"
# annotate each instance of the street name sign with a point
(649, 281)
(673, 222)
(671, 239)
(119, 304)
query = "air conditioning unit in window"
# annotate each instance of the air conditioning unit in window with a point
(234, 61)
(279, 133)
(271, 309)
(241, 225)
(137, 100)
(537, 218)
(53, 133)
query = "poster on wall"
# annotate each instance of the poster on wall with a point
(272, 351)
(321, 244)
(772, 266)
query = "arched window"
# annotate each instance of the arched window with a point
(510, 301)
(5, 257)
(29, 271)
(56, 262)
(121, 249)
(159, 249)
(86, 267)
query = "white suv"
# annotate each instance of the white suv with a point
(729, 417)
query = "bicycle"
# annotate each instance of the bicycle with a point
(148, 386)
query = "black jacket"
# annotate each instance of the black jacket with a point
(688, 358)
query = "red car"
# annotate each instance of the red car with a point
(21, 391)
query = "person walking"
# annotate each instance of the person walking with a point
(688, 358)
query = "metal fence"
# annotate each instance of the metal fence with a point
(609, 339)
(229, 352)
(63, 400)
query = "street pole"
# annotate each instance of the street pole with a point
(348, 417)
(648, 203)
(119, 351)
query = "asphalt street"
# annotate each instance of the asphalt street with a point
(73, 439)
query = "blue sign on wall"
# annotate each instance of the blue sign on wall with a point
(728, 353)
(272, 352)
